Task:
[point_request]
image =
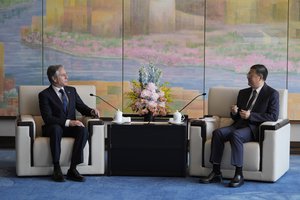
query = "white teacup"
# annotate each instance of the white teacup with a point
(178, 117)
(118, 116)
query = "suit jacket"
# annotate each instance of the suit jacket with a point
(51, 106)
(266, 107)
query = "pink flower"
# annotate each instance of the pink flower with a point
(161, 93)
(146, 93)
(152, 104)
(144, 111)
(162, 104)
(154, 96)
(151, 86)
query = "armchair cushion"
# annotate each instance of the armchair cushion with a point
(44, 159)
(251, 156)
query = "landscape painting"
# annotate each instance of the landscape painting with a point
(197, 44)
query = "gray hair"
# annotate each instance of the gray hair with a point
(52, 72)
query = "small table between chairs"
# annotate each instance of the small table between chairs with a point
(147, 149)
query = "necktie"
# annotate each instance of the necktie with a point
(64, 100)
(249, 105)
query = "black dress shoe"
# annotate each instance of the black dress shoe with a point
(74, 175)
(58, 175)
(212, 178)
(237, 181)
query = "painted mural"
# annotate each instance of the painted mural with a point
(196, 43)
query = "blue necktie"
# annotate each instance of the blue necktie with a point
(64, 100)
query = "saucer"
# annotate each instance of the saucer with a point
(117, 122)
(209, 119)
(171, 121)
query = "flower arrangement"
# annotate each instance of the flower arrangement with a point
(148, 96)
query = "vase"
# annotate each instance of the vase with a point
(149, 117)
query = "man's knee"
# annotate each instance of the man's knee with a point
(236, 136)
(54, 130)
(217, 133)
(81, 131)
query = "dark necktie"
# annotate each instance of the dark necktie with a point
(249, 105)
(64, 100)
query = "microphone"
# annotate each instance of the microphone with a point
(104, 101)
(203, 94)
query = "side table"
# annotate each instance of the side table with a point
(155, 149)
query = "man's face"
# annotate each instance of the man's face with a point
(254, 80)
(61, 78)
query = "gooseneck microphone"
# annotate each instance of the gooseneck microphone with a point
(203, 94)
(103, 100)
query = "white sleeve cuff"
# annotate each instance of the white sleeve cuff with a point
(67, 124)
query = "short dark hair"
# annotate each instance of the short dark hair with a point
(260, 70)
(51, 71)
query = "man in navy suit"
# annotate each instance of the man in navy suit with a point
(58, 104)
(255, 105)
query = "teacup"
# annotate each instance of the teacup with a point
(178, 117)
(118, 116)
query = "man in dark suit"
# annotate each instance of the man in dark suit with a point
(255, 105)
(58, 104)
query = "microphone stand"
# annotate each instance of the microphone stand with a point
(203, 94)
(104, 101)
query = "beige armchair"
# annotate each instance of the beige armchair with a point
(33, 150)
(266, 160)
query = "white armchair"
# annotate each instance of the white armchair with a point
(33, 150)
(266, 160)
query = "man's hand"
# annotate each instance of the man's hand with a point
(95, 113)
(245, 114)
(76, 123)
(234, 109)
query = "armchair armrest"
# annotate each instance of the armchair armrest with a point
(96, 135)
(28, 120)
(271, 126)
(201, 131)
(92, 123)
(207, 124)
(89, 121)
(25, 135)
(274, 137)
